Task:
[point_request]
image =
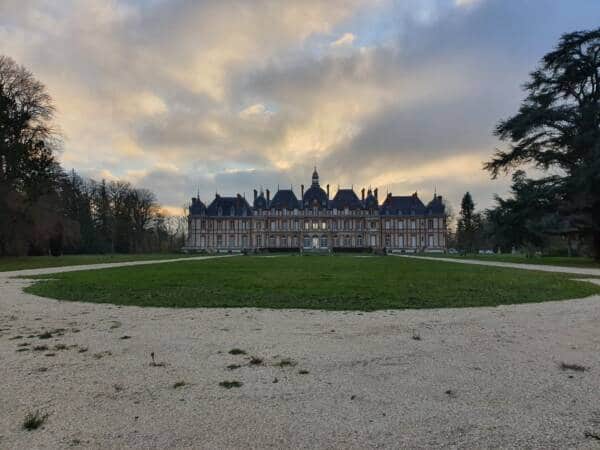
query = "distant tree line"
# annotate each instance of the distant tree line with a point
(45, 210)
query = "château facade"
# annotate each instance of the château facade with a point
(317, 222)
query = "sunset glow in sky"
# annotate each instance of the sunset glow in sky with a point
(223, 95)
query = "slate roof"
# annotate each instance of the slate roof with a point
(402, 205)
(229, 206)
(285, 199)
(260, 202)
(436, 206)
(197, 207)
(315, 194)
(371, 201)
(345, 198)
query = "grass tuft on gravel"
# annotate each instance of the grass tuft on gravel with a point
(325, 283)
(34, 420)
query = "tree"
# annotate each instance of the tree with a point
(468, 226)
(526, 219)
(27, 138)
(558, 127)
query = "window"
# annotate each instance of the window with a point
(323, 241)
(359, 240)
(219, 225)
(388, 240)
(272, 241)
(259, 240)
(219, 240)
(232, 240)
(324, 225)
(231, 225)
(387, 225)
(315, 225)
(284, 241)
(430, 223)
(203, 225)
(306, 241)
(373, 225)
(244, 241)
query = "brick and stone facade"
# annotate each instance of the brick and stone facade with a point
(317, 222)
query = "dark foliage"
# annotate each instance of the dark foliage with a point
(45, 211)
(558, 127)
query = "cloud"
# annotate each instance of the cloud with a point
(344, 40)
(229, 95)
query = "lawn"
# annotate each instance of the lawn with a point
(325, 282)
(564, 261)
(37, 262)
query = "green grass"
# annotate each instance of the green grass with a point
(329, 283)
(10, 263)
(565, 261)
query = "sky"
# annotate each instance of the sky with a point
(187, 96)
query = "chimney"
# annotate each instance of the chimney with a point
(268, 196)
(362, 194)
(302, 190)
(375, 193)
(255, 194)
(328, 192)
(389, 195)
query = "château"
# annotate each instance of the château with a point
(317, 222)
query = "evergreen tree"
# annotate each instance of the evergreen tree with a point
(558, 127)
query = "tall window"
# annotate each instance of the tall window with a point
(323, 241)
(219, 240)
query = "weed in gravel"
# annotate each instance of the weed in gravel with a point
(303, 372)
(60, 347)
(154, 363)
(286, 362)
(237, 351)
(233, 366)
(230, 384)
(34, 420)
(256, 361)
(179, 384)
(575, 367)
(40, 348)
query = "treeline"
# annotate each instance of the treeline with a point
(531, 220)
(43, 209)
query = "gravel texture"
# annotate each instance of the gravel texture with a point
(458, 378)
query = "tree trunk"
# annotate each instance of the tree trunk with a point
(596, 231)
(596, 244)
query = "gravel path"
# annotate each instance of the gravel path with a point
(540, 267)
(459, 378)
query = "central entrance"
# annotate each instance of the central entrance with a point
(315, 242)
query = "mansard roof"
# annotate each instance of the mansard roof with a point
(371, 201)
(260, 202)
(229, 206)
(285, 199)
(315, 195)
(403, 205)
(346, 198)
(197, 207)
(436, 206)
